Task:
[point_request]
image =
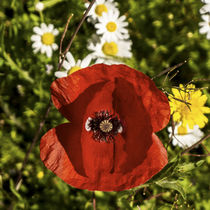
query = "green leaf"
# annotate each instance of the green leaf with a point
(174, 185)
(167, 171)
(23, 74)
(190, 166)
(14, 191)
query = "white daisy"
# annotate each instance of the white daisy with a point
(111, 26)
(185, 140)
(205, 9)
(100, 7)
(105, 49)
(206, 1)
(49, 68)
(71, 65)
(205, 27)
(44, 39)
(39, 6)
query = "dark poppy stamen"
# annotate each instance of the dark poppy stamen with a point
(105, 126)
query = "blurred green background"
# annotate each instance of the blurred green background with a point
(164, 33)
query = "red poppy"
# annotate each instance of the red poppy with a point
(109, 144)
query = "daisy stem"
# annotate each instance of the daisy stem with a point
(74, 34)
(41, 16)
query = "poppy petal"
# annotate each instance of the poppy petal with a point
(61, 157)
(55, 157)
(66, 90)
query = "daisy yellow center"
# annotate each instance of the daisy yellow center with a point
(110, 48)
(100, 9)
(47, 38)
(73, 69)
(111, 26)
(187, 107)
(106, 126)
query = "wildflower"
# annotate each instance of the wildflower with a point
(187, 107)
(206, 1)
(40, 175)
(205, 27)
(49, 68)
(39, 6)
(187, 138)
(100, 7)
(205, 9)
(71, 65)
(108, 50)
(111, 26)
(109, 144)
(44, 39)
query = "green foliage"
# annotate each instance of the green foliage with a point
(164, 33)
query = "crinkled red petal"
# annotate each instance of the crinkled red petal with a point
(60, 157)
(135, 156)
(66, 90)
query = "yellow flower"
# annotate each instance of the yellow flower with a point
(187, 107)
(40, 175)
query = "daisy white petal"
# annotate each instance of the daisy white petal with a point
(55, 32)
(206, 1)
(70, 59)
(37, 30)
(185, 140)
(60, 74)
(66, 65)
(36, 44)
(206, 18)
(204, 9)
(54, 46)
(48, 51)
(50, 28)
(86, 61)
(43, 48)
(35, 38)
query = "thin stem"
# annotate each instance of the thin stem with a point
(169, 70)
(197, 155)
(94, 200)
(194, 145)
(36, 137)
(63, 35)
(74, 34)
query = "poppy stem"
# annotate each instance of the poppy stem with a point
(63, 55)
(94, 200)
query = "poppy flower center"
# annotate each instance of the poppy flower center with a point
(111, 26)
(47, 38)
(100, 9)
(105, 126)
(73, 69)
(110, 48)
